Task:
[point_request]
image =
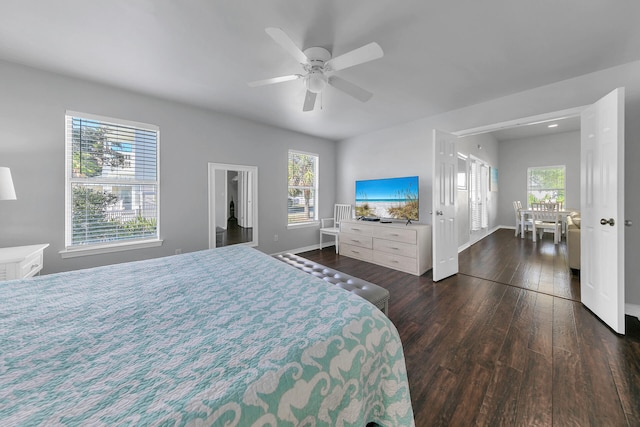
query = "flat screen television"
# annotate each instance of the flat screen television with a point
(388, 198)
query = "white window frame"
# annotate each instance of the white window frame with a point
(71, 250)
(478, 195)
(315, 188)
(529, 190)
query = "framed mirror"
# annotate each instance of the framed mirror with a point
(233, 205)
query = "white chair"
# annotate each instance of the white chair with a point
(528, 224)
(547, 221)
(340, 212)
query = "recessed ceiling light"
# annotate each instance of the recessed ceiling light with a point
(555, 125)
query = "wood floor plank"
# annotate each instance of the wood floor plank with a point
(516, 343)
(623, 355)
(605, 405)
(463, 408)
(500, 404)
(535, 399)
(540, 337)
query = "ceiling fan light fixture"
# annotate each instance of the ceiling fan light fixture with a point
(315, 81)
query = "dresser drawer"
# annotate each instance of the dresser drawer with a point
(395, 248)
(356, 252)
(397, 262)
(31, 265)
(398, 235)
(356, 240)
(356, 228)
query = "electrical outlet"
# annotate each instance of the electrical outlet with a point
(178, 251)
(275, 237)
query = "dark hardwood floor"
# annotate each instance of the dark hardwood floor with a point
(234, 235)
(540, 267)
(500, 348)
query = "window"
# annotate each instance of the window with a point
(545, 184)
(112, 182)
(302, 198)
(479, 194)
(462, 171)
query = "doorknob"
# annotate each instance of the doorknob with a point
(439, 213)
(611, 222)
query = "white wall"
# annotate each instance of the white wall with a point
(516, 156)
(32, 110)
(405, 149)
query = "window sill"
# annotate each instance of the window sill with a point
(114, 247)
(304, 225)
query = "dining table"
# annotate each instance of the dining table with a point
(529, 211)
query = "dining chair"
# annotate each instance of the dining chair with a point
(528, 224)
(547, 221)
(331, 226)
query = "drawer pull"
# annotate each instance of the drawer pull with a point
(356, 240)
(35, 266)
(355, 252)
(395, 234)
(355, 229)
(395, 249)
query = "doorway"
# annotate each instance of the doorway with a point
(233, 216)
(546, 270)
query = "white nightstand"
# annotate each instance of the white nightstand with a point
(21, 261)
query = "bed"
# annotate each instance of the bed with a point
(227, 336)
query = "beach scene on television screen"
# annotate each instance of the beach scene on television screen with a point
(395, 198)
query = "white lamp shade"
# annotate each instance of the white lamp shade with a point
(7, 192)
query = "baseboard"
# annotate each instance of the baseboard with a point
(463, 247)
(632, 310)
(489, 232)
(298, 250)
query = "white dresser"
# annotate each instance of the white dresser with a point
(395, 245)
(21, 262)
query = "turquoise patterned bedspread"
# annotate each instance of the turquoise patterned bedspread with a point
(219, 337)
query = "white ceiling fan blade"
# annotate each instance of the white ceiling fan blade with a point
(285, 41)
(275, 80)
(309, 101)
(363, 54)
(350, 89)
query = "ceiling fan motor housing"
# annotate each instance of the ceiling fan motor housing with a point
(316, 81)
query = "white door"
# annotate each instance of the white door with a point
(602, 209)
(445, 236)
(244, 209)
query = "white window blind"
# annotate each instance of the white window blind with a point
(484, 195)
(112, 181)
(478, 195)
(302, 188)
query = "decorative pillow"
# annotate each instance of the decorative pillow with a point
(576, 221)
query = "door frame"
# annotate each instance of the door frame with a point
(632, 310)
(522, 121)
(212, 168)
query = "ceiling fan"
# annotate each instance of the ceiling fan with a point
(319, 67)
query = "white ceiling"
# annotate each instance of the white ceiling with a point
(438, 55)
(564, 124)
